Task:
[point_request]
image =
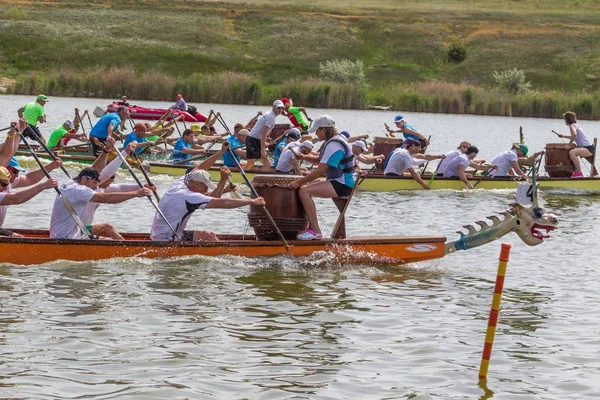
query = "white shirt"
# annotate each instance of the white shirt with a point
(62, 224)
(267, 119)
(504, 163)
(177, 205)
(581, 140)
(287, 156)
(452, 168)
(87, 217)
(446, 161)
(400, 161)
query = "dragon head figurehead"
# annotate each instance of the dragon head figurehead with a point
(532, 225)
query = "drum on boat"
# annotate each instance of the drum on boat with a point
(385, 145)
(558, 163)
(282, 203)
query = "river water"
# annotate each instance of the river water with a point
(231, 327)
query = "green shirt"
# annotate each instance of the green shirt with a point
(295, 111)
(32, 112)
(56, 136)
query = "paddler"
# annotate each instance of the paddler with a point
(190, 193)
(106, 185)
(401, 160)
(288, 161)
(107, 126)
(13, 138)
(61, 135)
(408, 131)
(140, 137)
(336, 161)
(79, 193)
(359, 149)
(256, 143)
(507, 163)
(461, 149)
(236, 141)
(459, 164)
(9, 198)
(294, 114)
(34, 113)
(183, 148)
(582, 147)
(291, 136)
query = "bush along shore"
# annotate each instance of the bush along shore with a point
(241, 88)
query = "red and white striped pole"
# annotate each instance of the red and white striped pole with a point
(495, 311)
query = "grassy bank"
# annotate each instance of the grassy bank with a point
(250, 52)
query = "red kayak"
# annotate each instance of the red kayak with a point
(155, 113)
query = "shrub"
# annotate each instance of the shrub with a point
(457, 53)
(343, 71)
(15, 13)
(512, 80)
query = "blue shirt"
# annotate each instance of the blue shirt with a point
(227, 159)
(278, 149)
(180, 105)
(178, 155)
(100, 130)
(408, 135)
(132, 137)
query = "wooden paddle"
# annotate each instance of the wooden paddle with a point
(83, 129)
(4, 129)
(68, 206)
(141, 165)
(435, 173)
(427, 163)
(124, 161)
(483, 176)
(341, 217)
(254, 195)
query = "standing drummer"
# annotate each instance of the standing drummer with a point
(256, 143)
(336, 161)
(408, 131)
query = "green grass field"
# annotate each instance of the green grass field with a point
(557, 43)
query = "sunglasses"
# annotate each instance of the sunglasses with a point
(4, 184)
(280, 108)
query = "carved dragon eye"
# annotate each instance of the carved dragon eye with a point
(538, 212)
(518, 222)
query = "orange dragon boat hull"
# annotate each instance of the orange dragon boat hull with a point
(37, 248)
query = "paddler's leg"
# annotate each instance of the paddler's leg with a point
(249, 165)
(106, 231)
(205, 236)
(576, 153)
(322, 189)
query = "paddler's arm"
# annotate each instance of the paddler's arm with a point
(20, 197)
(206, 164)
(320, 170)
(482, 167)
(220, 189)
(463, 176)
(311, 158)
(33, 177)
(102, 159)
(430, 157)
(119, 197)
(417, 178)
(517, 169)
(252, 122)
(235, 203)
(303, 111)
(10, 146)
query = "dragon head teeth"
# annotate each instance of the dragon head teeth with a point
(495, 220)
(470, 228)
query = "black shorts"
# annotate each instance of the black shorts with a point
(95, 148)
(341, 189)
(32, 132)
(591, 149)
(5, 232)
(253, 148)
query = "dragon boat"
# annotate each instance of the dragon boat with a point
(530, 223)
(147, 113)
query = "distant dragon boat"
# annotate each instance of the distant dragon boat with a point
(147, 113)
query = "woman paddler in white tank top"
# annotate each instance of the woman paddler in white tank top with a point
(583, 147)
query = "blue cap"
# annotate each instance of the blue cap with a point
(411, 142)
(294, 133)
(15, 164)
(345, 133)
(398, 118)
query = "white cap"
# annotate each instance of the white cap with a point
(200, 175)
(307, 144)
(243, 132)
(278, 103)
(361, 144)
(69, 123)
(324, 121)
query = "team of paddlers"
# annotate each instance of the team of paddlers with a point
(338, 159)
